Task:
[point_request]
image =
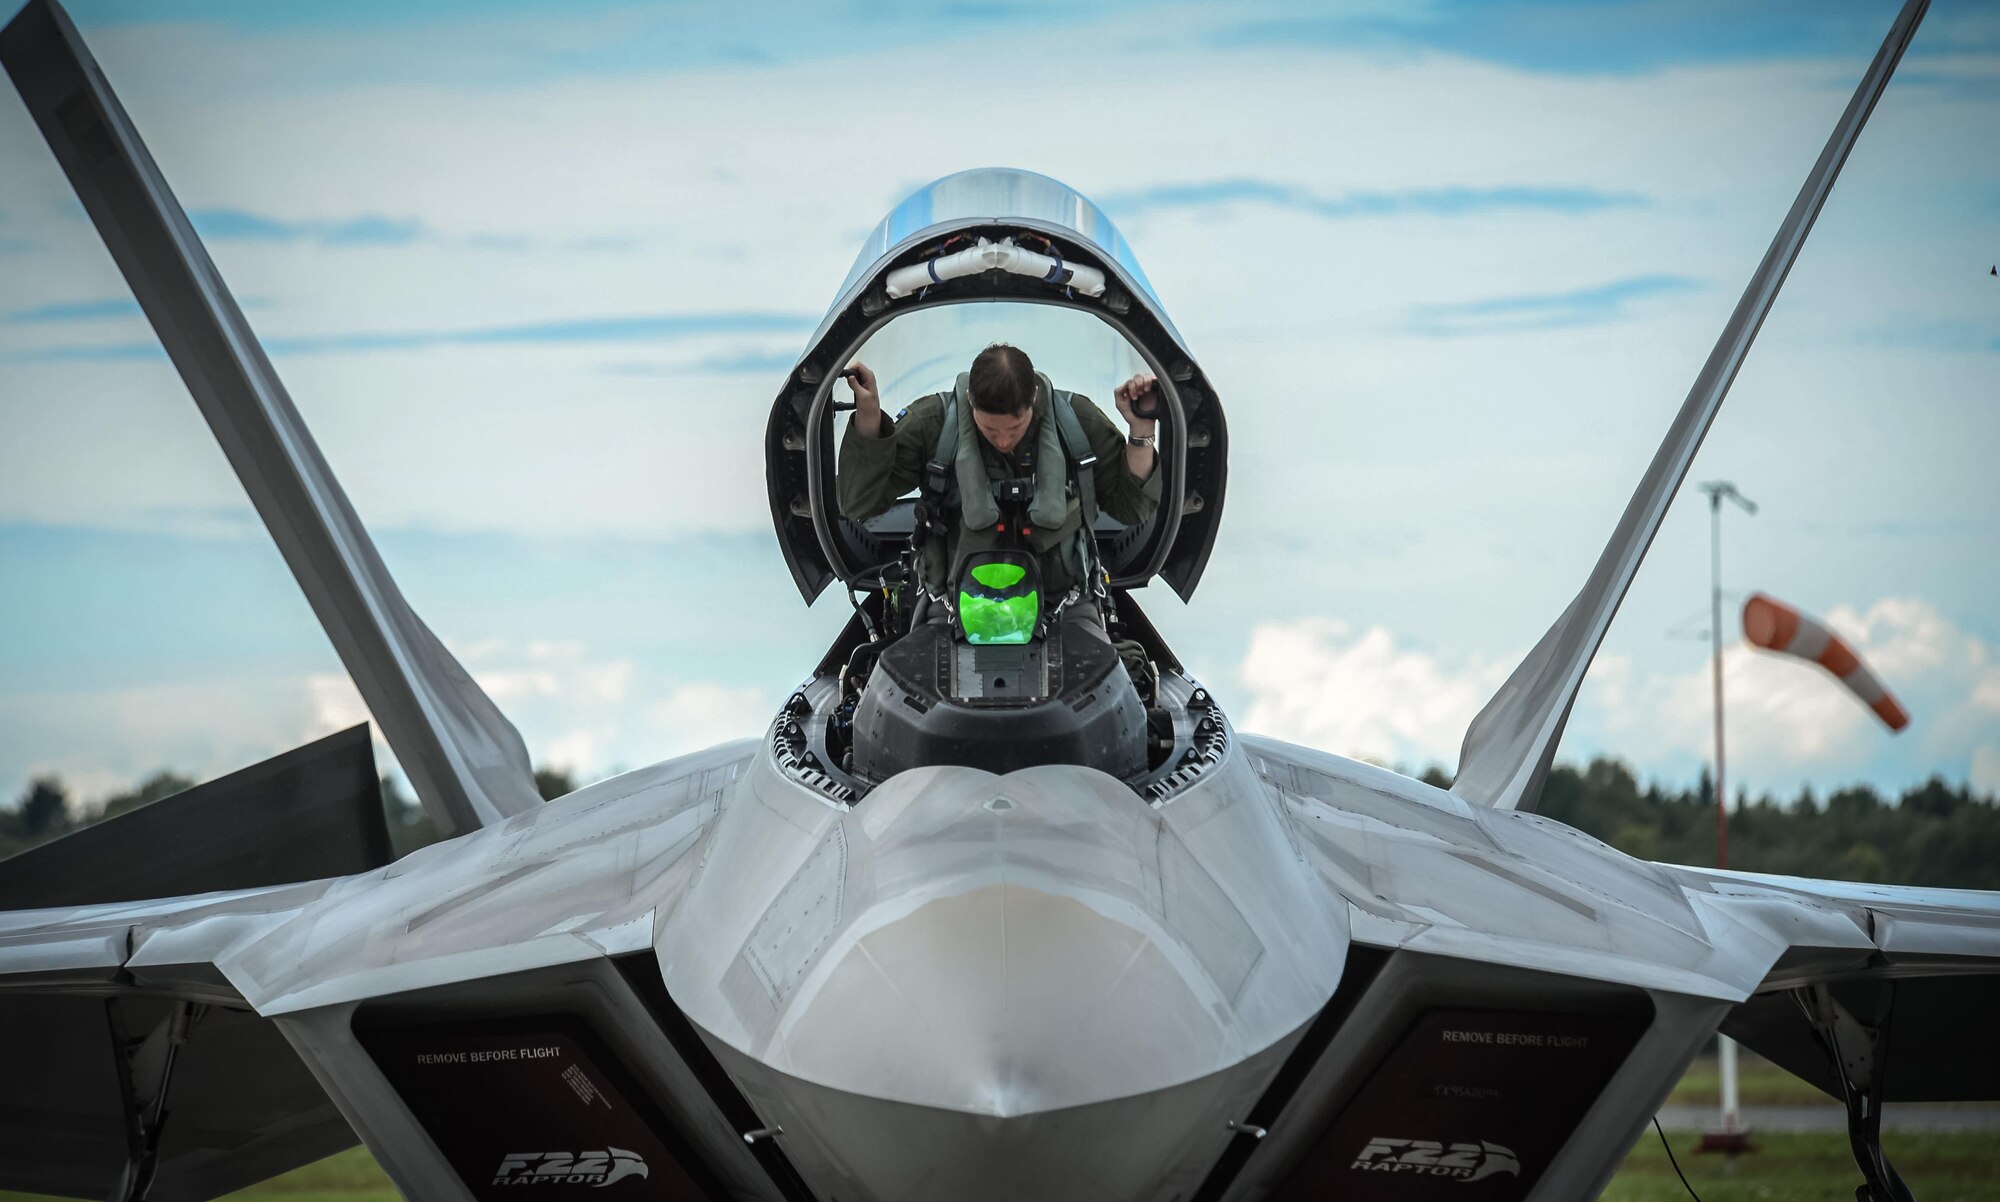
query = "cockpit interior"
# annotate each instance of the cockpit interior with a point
(1002, 681)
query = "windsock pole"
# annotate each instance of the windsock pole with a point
(1715, 677)
(1717, 490)
(1730, 1137)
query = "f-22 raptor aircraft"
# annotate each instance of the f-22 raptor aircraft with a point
(970, 920)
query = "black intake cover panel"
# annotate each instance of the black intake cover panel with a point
(538, 1102)
(1469, 1106)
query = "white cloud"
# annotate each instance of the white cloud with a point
(1364, 692)
(571, 752)
(556, 671)
(1322, 682)
(1986, 770)
(1789, 720)
(106, 740)
(593, 715)
(335, 703)
(700, 715)
(588, 715)
(1903, 638)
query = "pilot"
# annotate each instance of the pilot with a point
(1007, 436)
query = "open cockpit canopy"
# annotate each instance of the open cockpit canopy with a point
(994, 255)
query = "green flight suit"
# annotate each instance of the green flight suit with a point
(873, 472)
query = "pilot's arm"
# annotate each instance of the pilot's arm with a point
(1120, 491)
(881, 457)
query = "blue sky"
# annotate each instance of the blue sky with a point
(610, 328)
(533, 281)
(1585, 37)
(1437, 202)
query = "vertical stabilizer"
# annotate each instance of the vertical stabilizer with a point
(463, 757)
(1510, 744)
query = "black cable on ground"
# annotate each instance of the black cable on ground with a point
(1670, 1160)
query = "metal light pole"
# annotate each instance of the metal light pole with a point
(1731, 1138)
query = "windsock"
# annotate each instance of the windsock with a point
(1775, 626)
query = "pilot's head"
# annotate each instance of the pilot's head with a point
(1002, 390)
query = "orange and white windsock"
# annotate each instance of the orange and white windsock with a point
(1775, 626)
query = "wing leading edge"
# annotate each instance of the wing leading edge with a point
(465, 760)
(1508, 748)
(1907, 1000)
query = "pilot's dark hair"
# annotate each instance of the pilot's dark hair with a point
(1003, 380)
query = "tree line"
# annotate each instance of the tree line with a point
(1932, 834)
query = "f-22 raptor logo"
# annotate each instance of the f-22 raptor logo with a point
(594, 1169)
(1432, 1158)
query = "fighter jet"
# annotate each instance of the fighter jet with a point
(977, 916)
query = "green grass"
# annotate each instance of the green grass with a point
(1939, 1166)
(1758, 1082)
(350, 1176)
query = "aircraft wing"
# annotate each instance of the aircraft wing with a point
(464, 759)
(104, 1005)
(1908, 974)
(1510, 743)
(109, 995)
(1918, 984)
(113, 1011)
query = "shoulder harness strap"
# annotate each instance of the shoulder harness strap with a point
(1076, 448)
(938, 472)
(1082, 466)
(934, 486)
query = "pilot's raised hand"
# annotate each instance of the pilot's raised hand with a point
(1139, 392)
(867, 402)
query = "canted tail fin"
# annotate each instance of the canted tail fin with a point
(464, 759)
(1510, 744)
(313, 812)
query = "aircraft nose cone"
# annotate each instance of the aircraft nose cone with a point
(1006, 946)
(987, 987)
(1007, 1000)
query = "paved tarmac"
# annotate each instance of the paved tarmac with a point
(1896, 1116)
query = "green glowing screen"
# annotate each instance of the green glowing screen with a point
(999, 575)
(999, 602)
(999, 619)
